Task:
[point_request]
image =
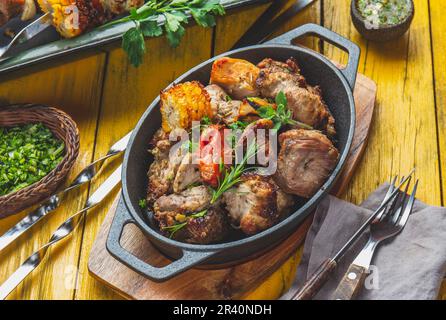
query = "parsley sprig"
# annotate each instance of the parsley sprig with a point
(174, 13)
(281, 116)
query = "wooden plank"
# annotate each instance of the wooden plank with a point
(127, 93)
(438, 36)
(404, 135)
(74, 86)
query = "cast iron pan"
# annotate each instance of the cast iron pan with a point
(337, 86)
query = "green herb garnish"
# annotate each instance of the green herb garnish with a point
(174, 14)
(27, 154)
(281, 116)
(177, 227)
(142, 203)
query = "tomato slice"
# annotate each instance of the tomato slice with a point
(211, 154)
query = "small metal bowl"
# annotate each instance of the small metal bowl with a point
(383, 33)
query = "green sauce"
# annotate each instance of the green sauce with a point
(27, 154)
(378, 13)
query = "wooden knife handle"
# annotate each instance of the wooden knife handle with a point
(351, 284)
(317, 280)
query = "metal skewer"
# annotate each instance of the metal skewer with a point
(54, 201)
(64, 230)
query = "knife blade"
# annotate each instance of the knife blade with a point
(64, 230)
(86, 175)
(266, 25)
(30, 31)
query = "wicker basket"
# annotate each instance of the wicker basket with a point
(64, 128)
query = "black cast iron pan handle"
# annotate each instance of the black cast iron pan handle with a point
(188, 260)
(311, 29)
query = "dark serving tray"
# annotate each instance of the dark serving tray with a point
(49, 44)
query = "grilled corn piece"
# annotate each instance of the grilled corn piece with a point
(184, 103)
(73, 17)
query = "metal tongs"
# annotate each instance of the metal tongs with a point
(27, 33)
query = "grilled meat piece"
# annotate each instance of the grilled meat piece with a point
(225, 109)
(306, 159)
(163, 170)
(252, 204)
(187, 174)
(189, 201)
(120, 6)
(183, 103)
(304, 101)
(9, 9)
(236, 76)
(179, 208)
(212, 227)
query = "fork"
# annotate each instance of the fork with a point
(385, 226)
(30, 31)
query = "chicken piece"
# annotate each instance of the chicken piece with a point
(236, 76)
(183, 103)
(306, 159)
(252, 204)
(9, 9)
(263, 155)
(304, 101)
(189, 201)
(162, 171)
(224, 108)
(187, 174)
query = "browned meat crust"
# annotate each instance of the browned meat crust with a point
(177, 208)
(252, 204)
(306, 159)
(304, 101)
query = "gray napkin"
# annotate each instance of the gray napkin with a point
(411, 266)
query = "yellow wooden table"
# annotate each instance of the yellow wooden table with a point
(106, 96)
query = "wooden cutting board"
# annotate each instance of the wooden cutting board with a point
(232, 282)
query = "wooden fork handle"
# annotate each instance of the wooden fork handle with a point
(317, 280)
(351, 284)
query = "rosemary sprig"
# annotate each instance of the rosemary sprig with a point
(177, 227)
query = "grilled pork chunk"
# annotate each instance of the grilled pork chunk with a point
(253, 204)
(306, 159)
(225, 109)
(236, 76)
(304, 101)
(163, 170)
(179, 208)
(187, 174)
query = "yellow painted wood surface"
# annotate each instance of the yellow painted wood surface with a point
(106, 97)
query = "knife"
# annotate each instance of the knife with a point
(64, 230)
(54, 201)
(265, 26)
(30, 31)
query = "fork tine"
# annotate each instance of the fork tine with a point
(409, 206)
(395, 204)
(401, 206)
(389, 192)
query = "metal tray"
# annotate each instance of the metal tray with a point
(49, 44)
